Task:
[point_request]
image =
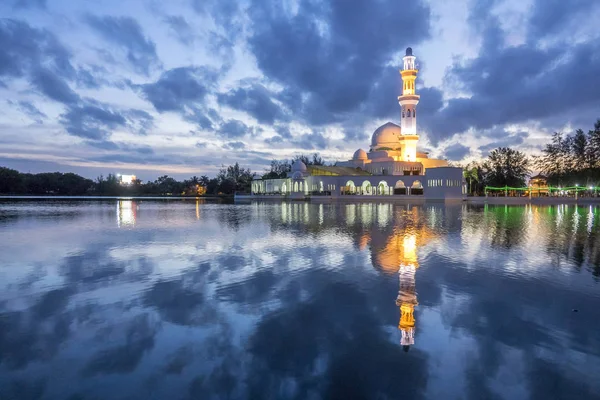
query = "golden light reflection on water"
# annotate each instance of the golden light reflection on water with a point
(126, 213)
(393, 235)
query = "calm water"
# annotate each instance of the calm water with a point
(186, 300)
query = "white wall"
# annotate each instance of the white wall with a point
(443, 183)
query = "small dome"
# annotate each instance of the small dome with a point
(360, 154)
(409, 51)
(387, 135)
(298, 165)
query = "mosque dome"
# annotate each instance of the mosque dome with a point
(386, 135)
(298, 166)
(360, 154)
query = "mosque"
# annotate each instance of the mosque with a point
(393, 166)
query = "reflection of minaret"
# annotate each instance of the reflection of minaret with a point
(407, 295)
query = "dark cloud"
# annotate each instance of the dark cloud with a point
(506, 140)
(234, 145)
(53, 86)
(30, 110)
(127, 33)
(205, 119)
(233, 129)
(552, 17)
(517, 84)
(178, 88)
(456, 152)
(311, 141)
(256, 100)
(25, 50)
(180, 28)
(328, 56)
(93, 122)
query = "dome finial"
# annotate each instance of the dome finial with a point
(409, 51)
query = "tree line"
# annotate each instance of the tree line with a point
(280, 168)
(229, 180)
(568, 160)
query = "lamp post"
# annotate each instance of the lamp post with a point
(576, 190)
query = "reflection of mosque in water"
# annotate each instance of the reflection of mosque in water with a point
(393, 232)
(126, 213)
(395, 252)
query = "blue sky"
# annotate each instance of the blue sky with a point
(185, 86)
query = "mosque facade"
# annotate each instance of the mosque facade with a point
(393, 166)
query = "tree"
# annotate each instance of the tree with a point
(579, 148)
(10, 180)
(316, 159)
(594, 145)
(471, 173)
(279, 169)
(555, 159)
(234, 178)
(506, 167)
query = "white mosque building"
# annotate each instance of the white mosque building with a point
(393, 166)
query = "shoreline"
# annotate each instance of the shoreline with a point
(116, 197)
(342, 199)
(422, 199)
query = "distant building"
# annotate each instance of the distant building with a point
(393, 166)
(126, 179)
(538, 185)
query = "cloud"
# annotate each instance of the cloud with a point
(180, 29)
(53, 86)
(204, 118)
(551, 17)
(327, 56)
(233, 129)
(517, 84)
(178, 88)
(24, 50)
(234, 145)
(274, 140)
(93, 122)
(506, 140)
(127, 33)
(30, 110)
(256, 100)
(312, 141)
(456, 152)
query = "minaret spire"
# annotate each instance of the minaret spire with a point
(408, 105)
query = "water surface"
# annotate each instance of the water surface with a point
(184, 299)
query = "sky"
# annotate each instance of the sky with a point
(186, 86)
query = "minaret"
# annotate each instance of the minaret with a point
(408, 107)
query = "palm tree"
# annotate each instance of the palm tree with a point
(471, 173)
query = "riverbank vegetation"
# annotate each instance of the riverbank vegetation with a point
(229, 180)
(568, 160)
